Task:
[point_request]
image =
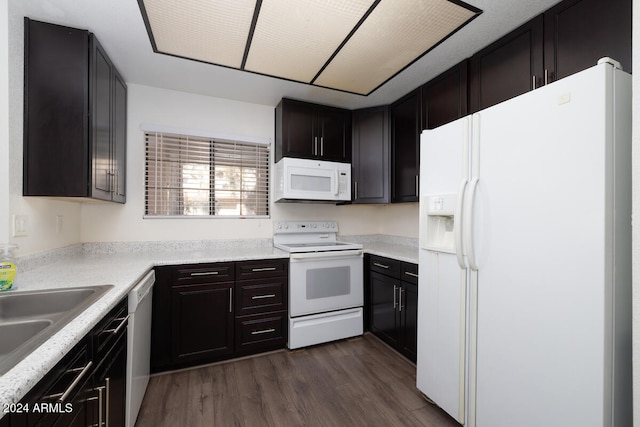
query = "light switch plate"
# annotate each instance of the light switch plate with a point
(20, 225)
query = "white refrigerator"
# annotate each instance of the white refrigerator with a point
(524, 309)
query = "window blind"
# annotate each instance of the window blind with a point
(196, 176)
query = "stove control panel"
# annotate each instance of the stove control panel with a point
(282, 227)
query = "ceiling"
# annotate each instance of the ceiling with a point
(354, 46)
(119, 26)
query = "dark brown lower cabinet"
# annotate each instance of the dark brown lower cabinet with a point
(201, 321)
(87, 387)
(393, 303)
(208, 312)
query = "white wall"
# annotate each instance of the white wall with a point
(4, 121)
(636, 215)
(41, 213)
(148, 105)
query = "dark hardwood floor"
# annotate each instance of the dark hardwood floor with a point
(356, 382)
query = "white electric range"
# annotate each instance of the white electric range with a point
(326, 289)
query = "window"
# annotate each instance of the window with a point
(200, 176)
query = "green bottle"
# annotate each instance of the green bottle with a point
(7, 267)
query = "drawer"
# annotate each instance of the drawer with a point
(409, 272)
(261, 332)
(262, 268)
(204, 273)
(68, 377)
(110, 328)
(386, 266)
(261, 295)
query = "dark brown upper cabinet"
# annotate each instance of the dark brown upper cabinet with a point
(445, 98)
(507, 68)
(312, 131)
(405, 147)
(74, 116)
(371, 162)
(577, 33)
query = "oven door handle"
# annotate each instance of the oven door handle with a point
(297, 257)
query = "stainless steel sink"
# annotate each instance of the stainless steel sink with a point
(15, 334)
(28, 319)
(38, 304)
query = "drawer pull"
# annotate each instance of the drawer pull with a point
(61, 397)
(257, 270)
(263, 296)
(116, 331)
(395, 301)
(100, 405)
(205, 273)
(408, 273)
(264, 331)
(380, 265)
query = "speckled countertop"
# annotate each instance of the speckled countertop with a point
(92, 267)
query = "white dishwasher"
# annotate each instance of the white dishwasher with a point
(138, 345)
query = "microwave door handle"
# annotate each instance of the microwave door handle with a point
(336, 182)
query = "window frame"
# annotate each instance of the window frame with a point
(213, 136)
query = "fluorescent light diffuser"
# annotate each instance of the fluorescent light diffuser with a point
(212, 31)
(353, 46)
(393, 36)
(294, 39)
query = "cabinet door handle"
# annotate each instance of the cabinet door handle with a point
(533, 83)
(395, 301)
(381, 265)
(116, 330)
(230, 300)
(100, 409)
(257, 270)
(315, 145)
(205, 273)
(355, 196)
(322, 145)
(417, 185)
(61, 397)
(107, 382)
(546, 77)
(400, 298)
(263, 296)
(408, 273)
(264, 331)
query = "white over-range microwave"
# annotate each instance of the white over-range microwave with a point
(311, 180)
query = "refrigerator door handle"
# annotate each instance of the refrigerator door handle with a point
(457, 225)
(471, 256)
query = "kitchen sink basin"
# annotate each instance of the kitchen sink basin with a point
(41, 304)
(28, 319)
(15, 334)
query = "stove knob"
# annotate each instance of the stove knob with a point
(333, 225)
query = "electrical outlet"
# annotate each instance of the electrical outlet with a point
(20, 226)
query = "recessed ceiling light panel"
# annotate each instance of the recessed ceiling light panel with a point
(294, 39)
(394, 35)
(205, 30)
(353, 46)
